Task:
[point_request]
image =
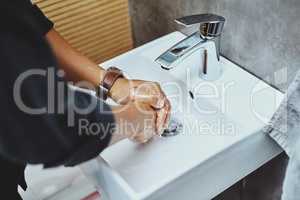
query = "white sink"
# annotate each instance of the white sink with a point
(215, 149)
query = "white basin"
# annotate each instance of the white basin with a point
(214, 151)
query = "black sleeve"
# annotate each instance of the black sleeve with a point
(41, 22)
(70, 132)
(23, 13)
(54, 137)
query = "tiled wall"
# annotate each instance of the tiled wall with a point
(262, 36)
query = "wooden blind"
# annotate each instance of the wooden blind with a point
(100, 29)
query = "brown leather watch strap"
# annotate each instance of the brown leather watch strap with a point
(111, 76)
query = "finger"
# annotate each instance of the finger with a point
(150, 92)
(139, 139)
(149, 129)
(143, 137)
(161, 117)
(159, 98)
(145, 109)
(156, 120)
(158, 101)
(168, 114)
(159, 122)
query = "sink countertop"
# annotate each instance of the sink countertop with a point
(209, 162)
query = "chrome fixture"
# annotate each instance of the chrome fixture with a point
(175, 127)
(210, 29)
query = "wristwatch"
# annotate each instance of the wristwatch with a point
(111, 76)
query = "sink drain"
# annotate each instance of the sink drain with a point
(175, 128)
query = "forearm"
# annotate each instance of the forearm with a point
(76, 66)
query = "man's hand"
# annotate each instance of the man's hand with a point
(125, 91)
(136, 120)
(79, 68)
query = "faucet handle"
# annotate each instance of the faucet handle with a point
(211, 25)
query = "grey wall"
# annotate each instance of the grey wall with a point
(260, 35)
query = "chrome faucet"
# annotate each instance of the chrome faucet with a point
(211, 27)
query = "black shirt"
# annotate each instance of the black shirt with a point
(44, 138)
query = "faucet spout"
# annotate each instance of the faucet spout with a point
(210, 29)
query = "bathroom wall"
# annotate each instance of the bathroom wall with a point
(263, 36)
(99, 29)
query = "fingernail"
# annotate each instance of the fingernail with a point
(160, 103)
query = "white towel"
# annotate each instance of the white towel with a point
(284, 128)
